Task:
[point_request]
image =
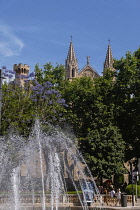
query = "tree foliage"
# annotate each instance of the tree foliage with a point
(104, 113)
(127, 101)
(90, 113)
(22, 105)
(79, 95)
(55, 75)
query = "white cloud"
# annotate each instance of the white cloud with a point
(10, 44)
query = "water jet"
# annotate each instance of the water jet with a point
(39, 172)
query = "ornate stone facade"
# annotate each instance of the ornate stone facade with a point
(88, 71)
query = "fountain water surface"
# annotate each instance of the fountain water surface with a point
(38, 172)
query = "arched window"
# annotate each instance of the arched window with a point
(73, 72)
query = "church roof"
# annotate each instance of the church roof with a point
(88, 67)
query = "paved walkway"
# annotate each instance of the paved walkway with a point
(129, 207)
(108, 208)
(121, 208)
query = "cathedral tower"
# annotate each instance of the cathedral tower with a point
(108, 64)
(21, 73)
(71, 63)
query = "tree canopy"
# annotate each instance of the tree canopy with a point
(90, 113)
(55, 75)
(127, 101)
(103, 113)
(22, 105)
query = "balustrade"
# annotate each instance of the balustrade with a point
(71, 199)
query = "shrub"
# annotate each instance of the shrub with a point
(128, 189)
(138, 182)
(74, 192)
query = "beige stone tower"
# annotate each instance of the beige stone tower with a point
(108, 64)
(21, 73)
(71, 63)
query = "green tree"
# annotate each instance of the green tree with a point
(127, 101)
(103, 148)
(17, 109)
(79, 96)
(90, 113)
(21, 105)
(55, 75)
(105, 155)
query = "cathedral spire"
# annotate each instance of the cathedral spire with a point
(71, 54)
(108, 64)
(109, 58)
(71, 63)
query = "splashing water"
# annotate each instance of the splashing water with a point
(15, 181)
(40, 170)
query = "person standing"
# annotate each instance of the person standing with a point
(118, 196)
(112, 193)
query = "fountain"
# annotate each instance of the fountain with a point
(39, 172)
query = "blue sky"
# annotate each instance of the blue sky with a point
(38, 31)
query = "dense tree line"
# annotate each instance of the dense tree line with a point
(104, 114)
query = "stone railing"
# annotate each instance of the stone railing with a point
(28, 198)
(111, 201)
(69, 199)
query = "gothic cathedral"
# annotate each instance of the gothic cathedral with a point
(71, 65)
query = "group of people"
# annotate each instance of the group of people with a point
(112, 194)
(88, 188)
(117, 195)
